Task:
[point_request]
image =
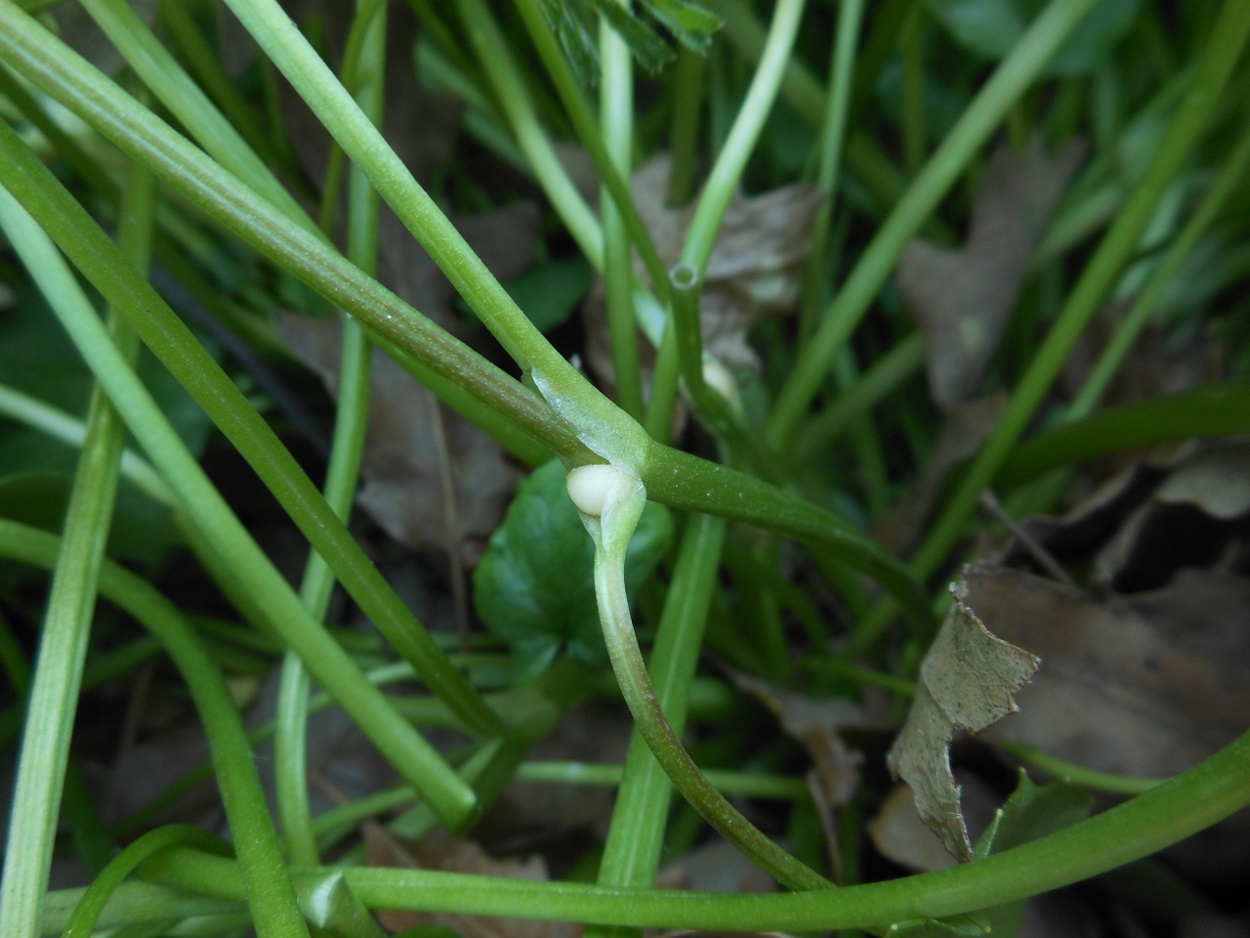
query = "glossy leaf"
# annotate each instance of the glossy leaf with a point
(534, 587)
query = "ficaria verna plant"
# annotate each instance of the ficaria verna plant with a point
(729, 501)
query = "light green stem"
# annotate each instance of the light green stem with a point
(625, 500)
(57, 679)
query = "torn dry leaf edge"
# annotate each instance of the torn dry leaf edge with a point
(967, 680)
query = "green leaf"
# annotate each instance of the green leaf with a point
(992, 28)
(572, 21)
(534, 587)
(1031, 812)
(548, 294)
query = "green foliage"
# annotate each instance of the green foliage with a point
(572, 21)
(992, 28)
(534, 587)
(549, 294)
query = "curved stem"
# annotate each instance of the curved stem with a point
(624, 500)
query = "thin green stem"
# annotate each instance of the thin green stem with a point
(616, 108)
(683, 137)
(832, 135)
(509, 88)
(57, 679)
(881, 379)
(631, 855)
(714, 404)
(346, 454)
(1216, 63)
(265, 882)
(984, 114)
(1116, 351)
(622, 502)
(727, 172)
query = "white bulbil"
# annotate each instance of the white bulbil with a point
(591, 486)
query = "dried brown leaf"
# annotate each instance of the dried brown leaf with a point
(962, 299)
(1143, 685)
(967, 426)
(815, 724)
(454, 855)
(404, 465)
(967, 680)
(754, 271)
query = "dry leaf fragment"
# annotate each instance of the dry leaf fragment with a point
(962, 299)
(753, 273)
(405, 461)
(1144, 685)
(966, 683)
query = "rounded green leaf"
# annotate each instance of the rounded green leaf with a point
(992, 28)
(534, 587)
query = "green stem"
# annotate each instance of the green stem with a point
(683, 137)
(727, 173)
(623, 501)
(509, 87)
(983, 115)
(1116, 351)
(1216, 63)
(616, 107)
(57, 679)
(346, 454)
(631, 854)
(832, 135)
(261, 874)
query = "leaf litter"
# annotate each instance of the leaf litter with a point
(967, 680)
(753, 273)
(962, 299)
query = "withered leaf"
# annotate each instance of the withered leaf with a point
(411, 442)
(967, 426)
(962, 299)
(816, 724)
(966, 683)
(754, 270)
(1144, 685)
